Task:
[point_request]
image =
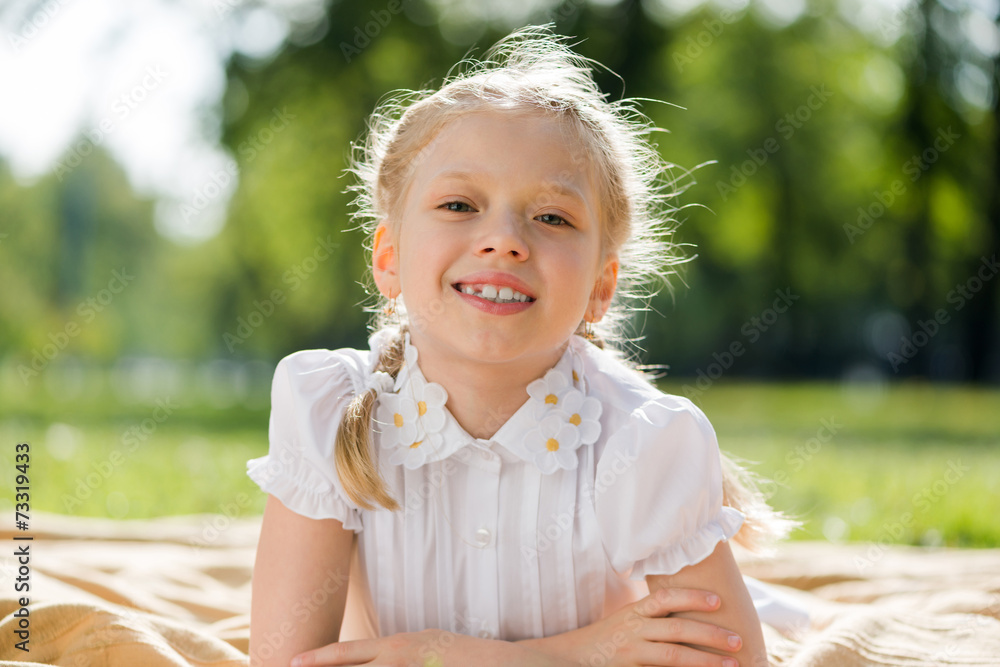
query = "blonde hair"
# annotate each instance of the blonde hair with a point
(531, 70)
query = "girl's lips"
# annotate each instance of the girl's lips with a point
(498, 279)
(497, 289)
(490, 307)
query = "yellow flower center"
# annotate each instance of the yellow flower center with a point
(575, 420)
(576, 378)
(416, 444)
(551, 398)
(398, 420)
(421, 408)
(552, 444)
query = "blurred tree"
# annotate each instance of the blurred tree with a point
(810, 119)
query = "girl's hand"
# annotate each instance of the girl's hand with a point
(433, 648)
(642, 633)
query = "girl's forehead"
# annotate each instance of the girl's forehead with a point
(513, 140)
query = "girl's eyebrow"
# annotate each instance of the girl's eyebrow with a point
(459, 175)
(553, 187)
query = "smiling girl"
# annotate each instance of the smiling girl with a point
(516, 492)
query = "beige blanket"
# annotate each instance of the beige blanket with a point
(177, 592)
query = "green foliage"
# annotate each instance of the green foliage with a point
(807, 125)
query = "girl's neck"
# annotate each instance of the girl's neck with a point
(482, 396)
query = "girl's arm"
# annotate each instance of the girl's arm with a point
(637, 634)
(719, 573)
(651, 631)
(299, 585)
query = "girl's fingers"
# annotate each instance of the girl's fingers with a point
(674, 655)
(670, 600)
(339, 653)
(687, 631)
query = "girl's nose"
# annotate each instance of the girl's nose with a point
(503, 235)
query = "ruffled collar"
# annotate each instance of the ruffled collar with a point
(414, 427)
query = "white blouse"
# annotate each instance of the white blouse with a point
(596, 481)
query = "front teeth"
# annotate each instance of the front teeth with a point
(492, 293)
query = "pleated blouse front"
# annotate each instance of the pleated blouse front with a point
(595, 482)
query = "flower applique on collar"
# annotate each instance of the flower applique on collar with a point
(414, 426)
(412, 417)
(567, 418)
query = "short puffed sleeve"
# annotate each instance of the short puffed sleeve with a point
(658, 495)
(309, 394)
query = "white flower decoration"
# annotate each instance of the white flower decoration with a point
(430, 398)
(397, 420)
(548, 391)
(416, 454)
(411, 424)
(409, 352)
(583, 413)
(553, 444)
(380, 381)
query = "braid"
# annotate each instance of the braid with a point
(353, 451)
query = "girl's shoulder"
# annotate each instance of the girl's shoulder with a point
(309, 372)
(621, 387)
(318, 371)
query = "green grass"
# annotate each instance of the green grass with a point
(179, 469)
(912, 464)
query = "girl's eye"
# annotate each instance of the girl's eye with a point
(456, 207)
(559, 221)
(454, 203)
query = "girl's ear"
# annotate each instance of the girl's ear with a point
(604, 290)
(385, 264)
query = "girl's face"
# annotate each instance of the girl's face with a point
(497, 250)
